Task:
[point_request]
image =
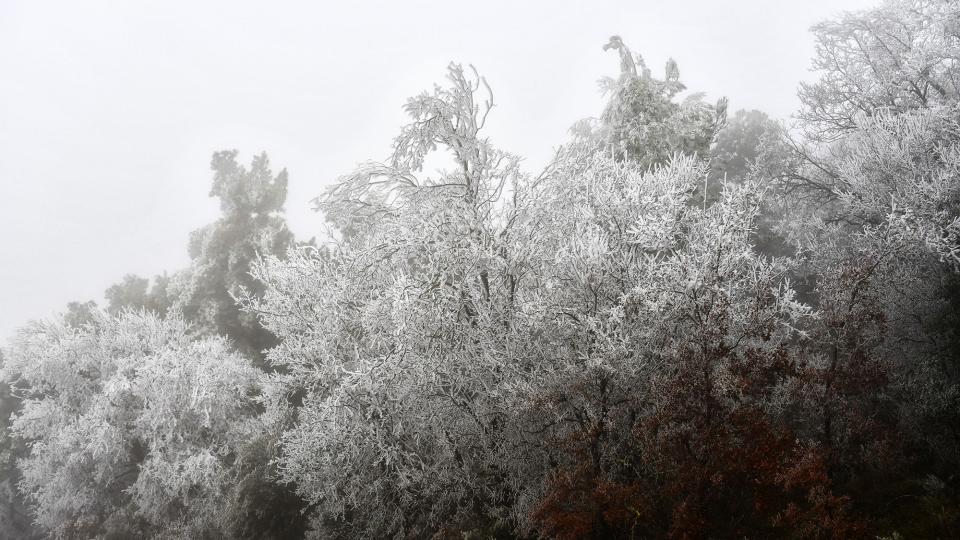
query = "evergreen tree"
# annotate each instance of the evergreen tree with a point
(251, 225)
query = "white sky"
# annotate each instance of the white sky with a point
(110, 111)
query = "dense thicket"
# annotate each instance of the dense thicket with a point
(688, 325)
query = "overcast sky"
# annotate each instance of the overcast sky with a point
(110, 111)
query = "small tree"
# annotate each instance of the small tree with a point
(135, 293)
(642, 121)
(133, 428)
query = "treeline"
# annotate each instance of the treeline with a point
(688, 325)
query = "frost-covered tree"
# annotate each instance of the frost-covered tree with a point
(133, 428)
(642, 120)
(876, 162)
(482, 334)
(392, 333)
(742, 147)
(251, 225)
(80, 314)
(138, 293)
(884, 152)
(203, 297)
(16, 520)
(738, 144)
(881, 121)
(900, 56)
(669, 362)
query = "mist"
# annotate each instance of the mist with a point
(499, 270)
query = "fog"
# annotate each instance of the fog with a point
(109, 111)
(502, 270)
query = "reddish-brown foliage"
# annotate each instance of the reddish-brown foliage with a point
(706, 459)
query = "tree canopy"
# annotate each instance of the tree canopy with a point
(687, 325)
